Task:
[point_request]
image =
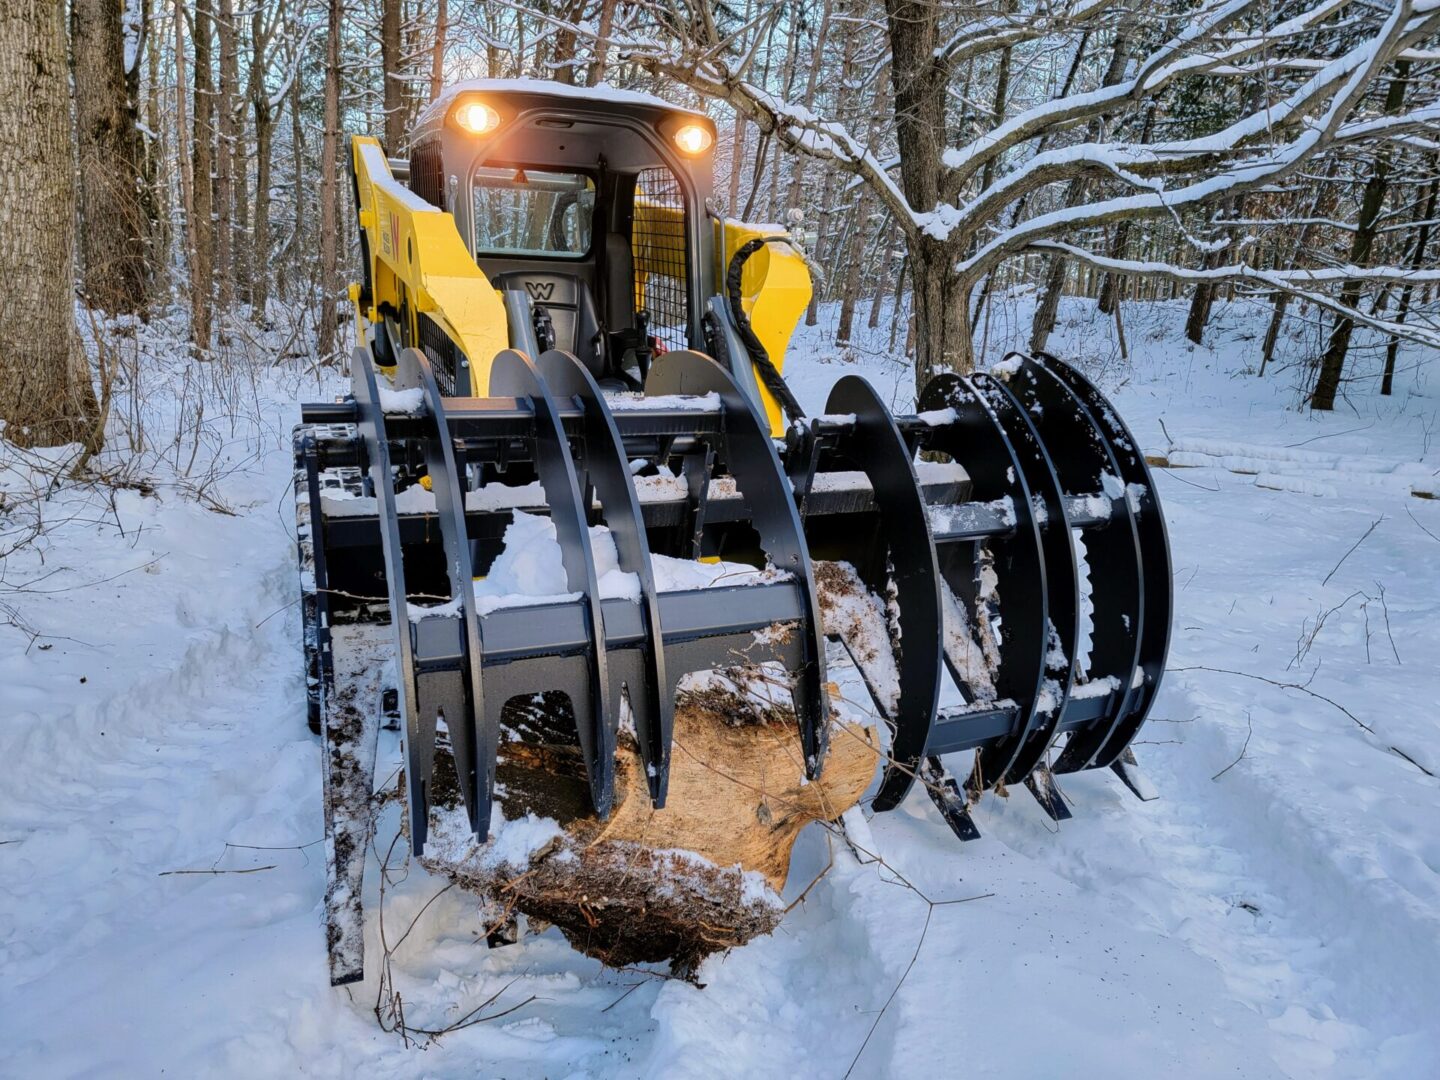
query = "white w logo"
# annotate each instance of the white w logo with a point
(540, 290)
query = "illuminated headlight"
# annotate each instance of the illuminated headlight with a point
(477, 118)
(693, 139)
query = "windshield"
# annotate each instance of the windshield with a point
(522, 211)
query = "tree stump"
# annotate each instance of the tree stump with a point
(701, 875)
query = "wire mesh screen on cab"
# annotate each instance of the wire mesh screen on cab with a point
(662, 288)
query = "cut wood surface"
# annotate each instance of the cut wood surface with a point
(701, 874)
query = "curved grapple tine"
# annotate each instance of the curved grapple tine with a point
(1157, 585)
(1086, 466)
(418, 727)
(979, 441)
(906, 556)
(605, 466)
(513, 374)
(753, 462)
(458, 691)
(1015, 759)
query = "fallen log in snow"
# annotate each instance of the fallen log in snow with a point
(702, 874)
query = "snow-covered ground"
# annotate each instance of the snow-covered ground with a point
(1275, 913)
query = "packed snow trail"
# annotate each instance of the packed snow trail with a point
(1275, 913)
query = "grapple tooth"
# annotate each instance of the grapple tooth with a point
(514, 374)
(1041, 784)
(948, 797)
(1128, 769)
(606, 468)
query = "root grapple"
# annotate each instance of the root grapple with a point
(1032, 485)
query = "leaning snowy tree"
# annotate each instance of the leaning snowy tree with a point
(1048, 165)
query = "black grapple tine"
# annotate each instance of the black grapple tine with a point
(1063, 599)
(905, 555)
(458, 692)
(1128, 769)
(1154, 553)
(1086, 466)
(419, 728)
(604, 462)
(514, 374)
(1041, 784)
(948, 797)
(978, 440)
(751, 459)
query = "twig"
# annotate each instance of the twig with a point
(1282, 685)
(1422, 528)
(248, 870)
(1353, 546)
(1250, 730)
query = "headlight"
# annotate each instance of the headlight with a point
(693, 139)
(477, 118)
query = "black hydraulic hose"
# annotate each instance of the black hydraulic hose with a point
(769, 374)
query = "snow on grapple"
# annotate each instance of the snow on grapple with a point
(543, 330)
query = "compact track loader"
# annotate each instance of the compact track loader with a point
(553, 322)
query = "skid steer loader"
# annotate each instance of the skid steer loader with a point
(553, 321)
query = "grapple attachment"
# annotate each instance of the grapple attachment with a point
(1010, 529)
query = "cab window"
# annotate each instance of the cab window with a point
(521, 211)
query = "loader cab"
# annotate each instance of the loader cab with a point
(585, 208)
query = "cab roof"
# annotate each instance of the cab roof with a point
(602, 98)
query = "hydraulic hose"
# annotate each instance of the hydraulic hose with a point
(769, 374)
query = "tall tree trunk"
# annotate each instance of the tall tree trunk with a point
(393, 97)
(225, 151)
(887, 255)
(258, 258)
(602, 48)
(1417, 260)
(330, 183)
(437, 51)
(46, 398)
(941, 297)
(854, 256)
(202, 266)
(1332, 364)
(797, 168)
(114, 210)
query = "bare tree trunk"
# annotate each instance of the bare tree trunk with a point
(115, 235)
(259, 258)
(437, 51)
(202, 272)
(393, 96)
(797, 167)
(1332, 364)
(887, 255)
(854, 256)
(1417, 260)
(46, 398)
(329, 184)
(597, 65)
(225, 151)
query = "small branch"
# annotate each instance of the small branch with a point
(1250, 730)
(1353, 546)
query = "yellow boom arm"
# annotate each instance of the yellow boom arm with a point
(420, 265)
(774, 290)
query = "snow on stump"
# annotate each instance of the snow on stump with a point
(701, 875)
